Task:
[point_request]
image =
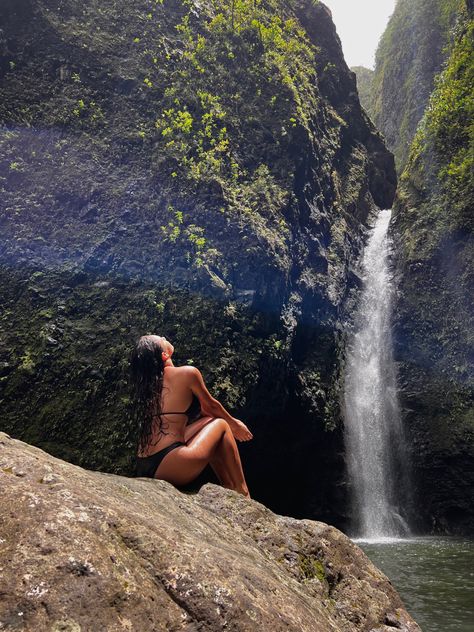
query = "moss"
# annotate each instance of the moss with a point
(176, 177)
(27, 362)
(77, 415)
(433, 228)
(311, 568)
(411, 52)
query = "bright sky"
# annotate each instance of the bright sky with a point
(359, 24)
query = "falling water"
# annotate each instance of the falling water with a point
(374, 441)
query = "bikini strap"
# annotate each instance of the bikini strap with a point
(173, 413)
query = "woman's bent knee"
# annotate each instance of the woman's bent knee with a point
(221, 423)
(205, 442)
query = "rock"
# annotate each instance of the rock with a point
(96, 551)
(433, 341)
(271, 228)
(411, 52)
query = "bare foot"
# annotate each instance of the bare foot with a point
(244, 491)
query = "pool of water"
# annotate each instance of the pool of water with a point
(434, 577)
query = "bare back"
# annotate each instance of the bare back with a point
(176, 397)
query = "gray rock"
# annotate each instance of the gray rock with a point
(86, 551)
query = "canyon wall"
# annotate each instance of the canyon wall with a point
(198, 169)
(434, 317)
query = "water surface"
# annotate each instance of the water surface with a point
(434, 577)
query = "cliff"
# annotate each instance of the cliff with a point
(198, 169)
(88, 551)
(364, 77)
(434, 320)
(411, 52)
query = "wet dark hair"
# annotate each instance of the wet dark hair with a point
(146, 375)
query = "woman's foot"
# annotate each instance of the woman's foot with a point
(243, 490)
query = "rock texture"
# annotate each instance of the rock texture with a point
(433, 231)
(176, 167)
(365, 77)
(84, 551)
(411, 52)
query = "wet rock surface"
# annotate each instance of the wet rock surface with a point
(119, 217)
(86, 551)
(434, 315)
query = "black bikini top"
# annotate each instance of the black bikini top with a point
(192, 412)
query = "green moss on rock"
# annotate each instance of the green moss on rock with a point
(411, 52)
(177, 167)
(433, 231)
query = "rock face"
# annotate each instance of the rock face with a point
(411, 52)
(365, 77)
(433, 231)
(84, 551)
(179, 167)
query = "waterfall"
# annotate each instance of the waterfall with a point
(374, 442)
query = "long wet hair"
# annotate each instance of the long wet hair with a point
(146, 374)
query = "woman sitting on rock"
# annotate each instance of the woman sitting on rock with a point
(177, 414)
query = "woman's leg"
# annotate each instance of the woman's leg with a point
(216, 462)
(227, 465)
(195, 427)
(214, 444)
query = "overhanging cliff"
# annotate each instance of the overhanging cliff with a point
(184, 168)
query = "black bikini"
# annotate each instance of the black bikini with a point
(147, 465)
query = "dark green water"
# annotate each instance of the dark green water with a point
(434, 577)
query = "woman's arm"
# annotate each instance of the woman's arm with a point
(213, 407)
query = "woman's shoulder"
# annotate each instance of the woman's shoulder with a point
(187, 371)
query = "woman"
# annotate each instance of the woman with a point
(182, 427)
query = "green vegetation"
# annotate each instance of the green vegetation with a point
(411, 52)
(439, 173)
(450, 121)
(365, 78)
(433, 230)
(311, 568)
(244, 60)
(198, 169)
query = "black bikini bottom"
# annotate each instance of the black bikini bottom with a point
(147, 465)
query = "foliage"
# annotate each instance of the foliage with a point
(411, 52)
(450, 118)
(245, 59)
(365, 77)
(439, 174)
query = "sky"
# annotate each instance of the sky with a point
(359, 24)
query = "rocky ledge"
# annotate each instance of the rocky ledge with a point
(87, 551)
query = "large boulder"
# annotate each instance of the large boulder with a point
(88, 551)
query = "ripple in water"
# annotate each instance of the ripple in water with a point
(434, 577)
